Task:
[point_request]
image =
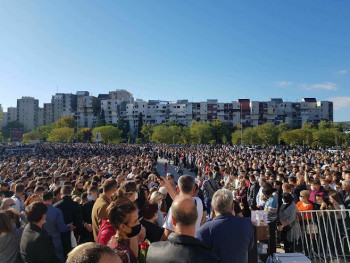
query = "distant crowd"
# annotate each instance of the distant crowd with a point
(108, 203)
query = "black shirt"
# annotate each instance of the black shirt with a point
(153, 231)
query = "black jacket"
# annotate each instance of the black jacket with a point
(252, 193)
(36, 246)
(180, 249)
(71, 214)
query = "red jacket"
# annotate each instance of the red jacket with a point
(106, 232)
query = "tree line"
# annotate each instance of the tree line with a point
(215, 132)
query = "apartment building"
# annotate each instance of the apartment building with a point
(27, 112)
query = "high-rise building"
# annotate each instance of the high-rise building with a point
(63, 104)
(27, 112)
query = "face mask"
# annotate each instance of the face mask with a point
(301, 198)
(136, 196)
(135, 230)
(29, 193)
(90, 197)
(61, 182)
(12, 207)
(312, 188)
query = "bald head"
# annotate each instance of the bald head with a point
(184, 211)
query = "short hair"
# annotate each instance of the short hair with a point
(346, 183)
(47, 196)
(119, 210)
(184, 218)
(109, 184)
(19, 188)
(89, 253)
(186, 183)
(66, 190)
(148, 210)
(288, 186)
(293, 179)
(305, 193)
(5, 223)
(93, 189)
(222, 201)
(267, 190)
(316, 182)
(35, 211)
(287, 198)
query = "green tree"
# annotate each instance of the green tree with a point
(109, 134)
(322, 125)
(84, 135)
(101, 121)
(284, 126)
(186, 137)
(45, 131)
(66, 121)
(33, 135)
(124, 126)
(147, 131)
(161, 134)
(308, 126)
(236, 137)
(268, 134)
(200, 132)
(251, 137)
(64, 134)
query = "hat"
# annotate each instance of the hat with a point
(163, 190)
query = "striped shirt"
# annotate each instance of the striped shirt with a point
(271, 207)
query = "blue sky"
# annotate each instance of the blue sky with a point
(174, 49)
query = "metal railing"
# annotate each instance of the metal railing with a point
(325, 235)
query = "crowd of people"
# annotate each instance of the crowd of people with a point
(108, 203)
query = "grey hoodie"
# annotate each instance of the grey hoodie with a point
(9, 247)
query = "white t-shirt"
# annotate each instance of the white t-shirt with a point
(168, 224)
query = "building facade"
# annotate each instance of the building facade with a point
(121, 105)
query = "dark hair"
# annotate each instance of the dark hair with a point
(39, 189)
(93, 189)
(149, 210)
(89, 253)
(66, 190)
(109, 184)
(267, 191)
(47, 196)
(57, 190)
(126, 189)
(118, 211)
(334, 194)
(287, 198)
(19, 188)
(293, 179)
(5, 223)
(35, 211)
(186, 183)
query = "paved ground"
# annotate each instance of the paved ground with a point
(171, 169)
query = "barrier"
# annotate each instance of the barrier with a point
(326, 235)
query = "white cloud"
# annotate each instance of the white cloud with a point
(340, 102)
(342, 72)
(283, 83)
(324, 86)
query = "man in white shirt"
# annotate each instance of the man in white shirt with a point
(185, 187)
(18, 198)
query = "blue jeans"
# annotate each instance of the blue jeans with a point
(207, 202)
